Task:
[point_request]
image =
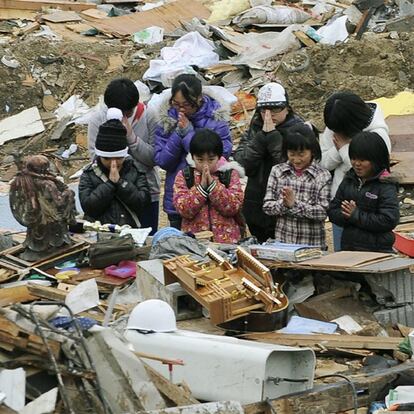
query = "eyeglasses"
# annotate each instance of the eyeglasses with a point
(273, 109)
(184, 105)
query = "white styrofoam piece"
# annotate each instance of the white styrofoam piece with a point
(25, 124)
(44, 404)
(218, 368)
(13, 384)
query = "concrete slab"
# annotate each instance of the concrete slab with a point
(150, 285)
(122, 376)
(403, 315)
(225, 407)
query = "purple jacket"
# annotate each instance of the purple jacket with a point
(172, 144)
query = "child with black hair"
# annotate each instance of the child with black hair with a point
(366, 203)
(123, 94)
(209, 203)
(298, 191)
(113, 189)
(345, 115)
(188, 109)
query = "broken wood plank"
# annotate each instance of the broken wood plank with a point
(94, 14)
(9, 327)
(304, 38)
(170, 390)
(10, 14)
(18, 294)
(62, 17)
(38, 4)
(333, 398)
(168, 17)
(30, 28)
(330, 341)
(119, 1)
(47, 292)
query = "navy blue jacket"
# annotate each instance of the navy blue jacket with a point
(370, 226)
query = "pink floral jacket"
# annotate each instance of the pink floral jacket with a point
(217, 210)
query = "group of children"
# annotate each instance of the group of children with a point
(289, 192)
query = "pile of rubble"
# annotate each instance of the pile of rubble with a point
(62, 343)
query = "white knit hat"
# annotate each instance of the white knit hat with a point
(272, 94)
(114, 113)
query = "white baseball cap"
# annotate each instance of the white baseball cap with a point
(272, 94)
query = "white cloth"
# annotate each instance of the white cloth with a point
(338, 161)
(191, 49)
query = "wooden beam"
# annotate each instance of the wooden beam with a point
(47, 292)
(18, 294)
(333, 398)
(38, 4)
(175, 393)
(329, 341)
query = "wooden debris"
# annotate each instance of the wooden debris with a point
(79, 27)
(49, 103)
(94, 14)
(304, 38)
(18, 294)
(331, 341)
(47, 292)
(39, 4)
(115, 64)
(13, 337)
(170, 390)
(61, 17)
(405, 330)
(226, 291)
(333, 398)
(168, 16)
(30, 28)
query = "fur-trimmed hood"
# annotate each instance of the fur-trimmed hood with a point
(223, 165)
(213, 106)
(383, 177)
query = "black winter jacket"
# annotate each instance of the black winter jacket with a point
(370, 226)
(258, 152)
(105, 201)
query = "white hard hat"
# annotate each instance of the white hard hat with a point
(152, 315)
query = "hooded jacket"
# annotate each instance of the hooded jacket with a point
(215, 212)
(377, 213)
(338, 161)
(258, 152)
(142, 150)
(173, 144)
(109, 202)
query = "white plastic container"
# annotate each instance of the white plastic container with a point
(219, 368)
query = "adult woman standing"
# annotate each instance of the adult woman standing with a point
(185, 111)
(260, 149)
(346, 115)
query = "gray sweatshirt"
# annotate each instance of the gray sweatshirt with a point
(142, 150)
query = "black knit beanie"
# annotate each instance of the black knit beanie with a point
(111, 139)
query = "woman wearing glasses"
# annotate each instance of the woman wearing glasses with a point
(187, 110)
(260, 149)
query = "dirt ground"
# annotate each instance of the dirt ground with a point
(373, 67)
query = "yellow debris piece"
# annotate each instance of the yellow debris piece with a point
(400, 104)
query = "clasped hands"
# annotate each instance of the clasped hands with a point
(348, 208)
(206, 177)
(288, 197)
